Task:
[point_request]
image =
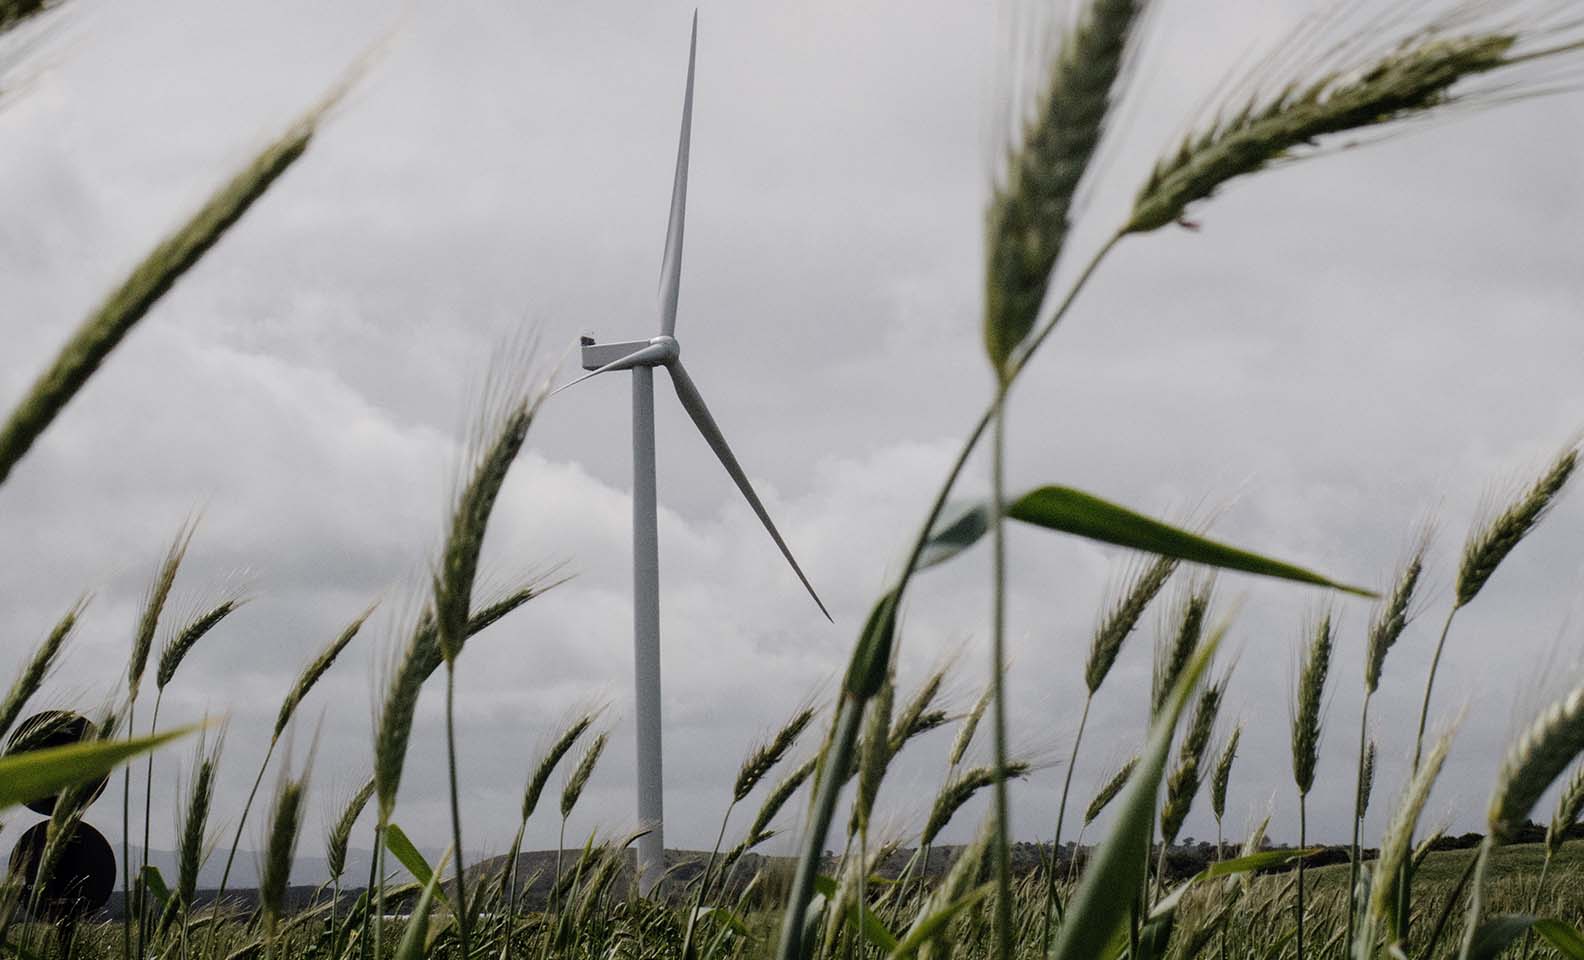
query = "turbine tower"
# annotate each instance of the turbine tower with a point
(641, 357)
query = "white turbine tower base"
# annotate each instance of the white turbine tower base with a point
(641, 357)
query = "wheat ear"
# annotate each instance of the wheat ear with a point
(1108, 790)
(1176, 648)
(339, 836)
(1396, 845)
(580, 775)
(1222, 777)
(285, 826)
(1490, 544)
(959, 790)
(763, 758)
(1393, 614)
(1382, 79)
(315, 670)
(104, 329)
(1031, 213)
(1534, 761)
(1182, 784)
(33, 673)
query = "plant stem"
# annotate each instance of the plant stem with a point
(236, 840)
(1003, 851)
(1061, 815)
(1424, 709)
(1476, 898)
(1303, 839)
(379, 918)
(1358, 815)
(126, 841)
(846, 727)
(148, 800)
(839, 755)
(456, 812)
(368, 894)
(1534, 903)
(704, 879)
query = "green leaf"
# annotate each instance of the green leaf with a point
(1099, 908)
(1564, 936)
(727, 918)
(412, 941)
(872, 929)
(408, 856)
(927, 927)
(871, 657)
(154, 882)
(1497, 934)
(1084, 515)
(44, 773)
(1256, 861)
(959, 527)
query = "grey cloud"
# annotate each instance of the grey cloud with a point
(1344, 345)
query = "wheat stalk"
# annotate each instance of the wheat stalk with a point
(1375, 79)
(1222, 777)
(104, 329)
(552, 756)
(1397, 843)
(410, 669)
(1182, 784)
(874, 755)
(1393, 614)
(916, 717)
(1030, 214)
(1305, 729)
(580, 775)
(193, 847)
(1570, 803)
(967, 728)
(1174, 650)
(339, 836)
(1121, 616)
(1108, 790)
(510, 405)
(961, 879)
(959, 790)
(154, 604)
(1490, 544)
(280, 848)
(181, 641)
(33, 673)
(315, 670)
(1309, 702)
(763, 758)
(1534, 761)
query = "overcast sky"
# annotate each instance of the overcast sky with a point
(1346, 346)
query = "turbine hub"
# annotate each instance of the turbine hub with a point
(673, 350)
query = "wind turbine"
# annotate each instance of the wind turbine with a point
(642, 357)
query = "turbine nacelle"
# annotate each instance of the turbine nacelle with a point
(624, 355)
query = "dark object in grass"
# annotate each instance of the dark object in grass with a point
(54, 728)
(83, 876)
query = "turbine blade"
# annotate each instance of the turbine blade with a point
(693, 403)
(650, 354)
(671, 263)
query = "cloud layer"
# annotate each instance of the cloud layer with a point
(1344, 348)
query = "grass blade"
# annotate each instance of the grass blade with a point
(42, 773)
(1099, 908)
(1085, 515)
